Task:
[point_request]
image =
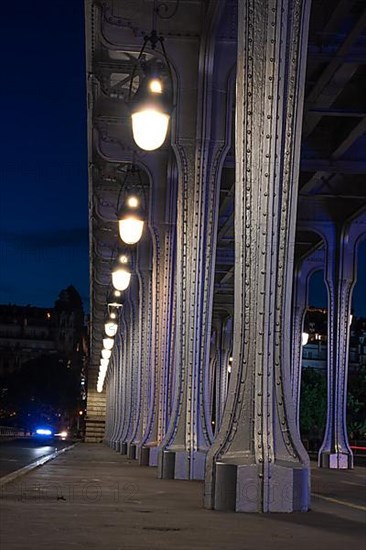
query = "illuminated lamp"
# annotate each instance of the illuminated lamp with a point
(131, 220)
(108, 343)
(150, 113)
(106, 353)
(121, 275)
(110, 328)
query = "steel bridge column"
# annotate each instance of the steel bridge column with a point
(123, 392)
(129, 390)
(159, 305)
(335, 451)
(114, 400)
(111, 393)
(200, 148)
(144, 356)
(109, 384)
(257, 462)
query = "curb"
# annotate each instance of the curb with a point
(22, 471)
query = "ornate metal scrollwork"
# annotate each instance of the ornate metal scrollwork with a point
(162, 10)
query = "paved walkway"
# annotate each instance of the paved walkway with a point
(90, 498)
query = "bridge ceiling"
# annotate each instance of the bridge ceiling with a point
(332, 181)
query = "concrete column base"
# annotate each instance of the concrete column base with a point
(335, 461)
(143, 454)
(241, 488)
(181, 465)
(153, 456)
(166, 465)
(131, 451)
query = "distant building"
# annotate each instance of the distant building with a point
(357, 351)
(28, 332)
(314, 352)
(314, 355)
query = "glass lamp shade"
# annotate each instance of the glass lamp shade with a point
(111, 328)
(131, 220)
(149, 128)
(106, 353)
(130, 229)
(121, 278)
(104, 363)
(108, 343)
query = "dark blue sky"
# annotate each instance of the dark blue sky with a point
(43, 201)
(43, 179)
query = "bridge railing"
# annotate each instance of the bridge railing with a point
(7, 432)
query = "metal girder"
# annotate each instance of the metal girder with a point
(347, 143)
(338, 14)
(227, 277)
(325, 97)
(229, 224)
(321, 175)
(336, 61)
(225, 256)
(325, 166)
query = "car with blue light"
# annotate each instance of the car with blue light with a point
(43, 433)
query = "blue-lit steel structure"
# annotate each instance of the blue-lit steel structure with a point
(260, 182)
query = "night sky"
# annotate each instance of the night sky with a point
(44, 201)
